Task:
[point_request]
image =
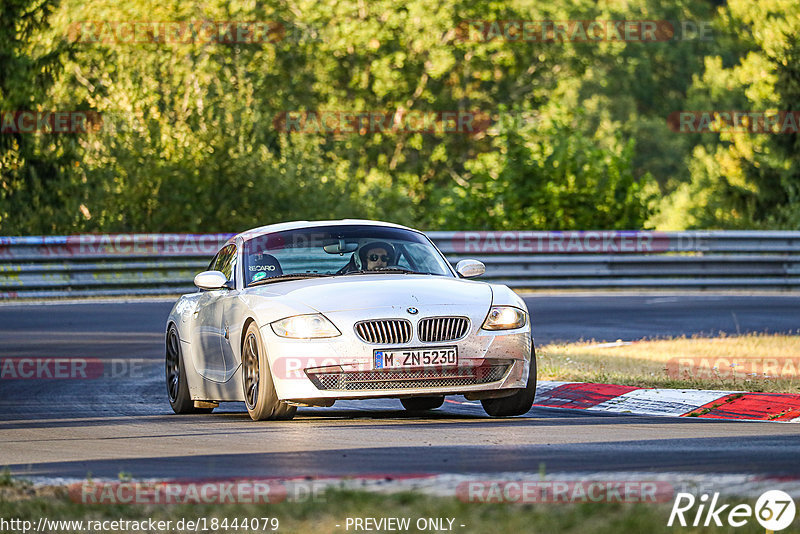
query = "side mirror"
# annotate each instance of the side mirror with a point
(211, 280)
(470, 268)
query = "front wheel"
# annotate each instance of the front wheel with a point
(259, 389)
(421, 404)
(520, 402)
(177, 387)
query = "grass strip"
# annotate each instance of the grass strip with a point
(328, 513)
(752, 362)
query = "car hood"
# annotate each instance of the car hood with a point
(369, 291)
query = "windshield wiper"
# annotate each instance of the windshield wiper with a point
(291, 276)
(384, 271)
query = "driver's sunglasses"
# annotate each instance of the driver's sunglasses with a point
(375, 257)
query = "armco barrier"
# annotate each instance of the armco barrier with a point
(151, 264)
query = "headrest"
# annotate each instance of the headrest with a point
(263, 266)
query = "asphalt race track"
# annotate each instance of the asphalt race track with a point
(122, 422)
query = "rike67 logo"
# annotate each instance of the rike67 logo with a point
(774, 510)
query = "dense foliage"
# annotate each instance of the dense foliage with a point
(576, 133)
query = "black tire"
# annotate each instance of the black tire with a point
(260, 396)
(421, 404)
(177, 387)
(520, 402)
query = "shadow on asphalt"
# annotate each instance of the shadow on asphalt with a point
(428, 420)
(694, 455)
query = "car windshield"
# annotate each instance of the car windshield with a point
(340, 251)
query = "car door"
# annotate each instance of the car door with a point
(229, 320)
(210, 330)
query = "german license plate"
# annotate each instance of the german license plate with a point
(433, 356)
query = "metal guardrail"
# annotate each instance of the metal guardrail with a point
(152, 264)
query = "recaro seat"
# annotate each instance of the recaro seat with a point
(263, 263)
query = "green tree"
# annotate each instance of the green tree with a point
(744, 179)
(34, 168)
(189, 143)
(546, 174)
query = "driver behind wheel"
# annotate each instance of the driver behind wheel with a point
(376, 255)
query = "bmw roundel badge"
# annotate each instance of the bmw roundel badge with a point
(412, 311)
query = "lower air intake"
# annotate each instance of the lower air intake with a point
(408, 378)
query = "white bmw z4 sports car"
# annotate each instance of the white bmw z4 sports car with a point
(305, 313)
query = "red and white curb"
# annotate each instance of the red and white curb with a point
(704, 404)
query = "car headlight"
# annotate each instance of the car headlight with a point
(504, 318)
(305, 327)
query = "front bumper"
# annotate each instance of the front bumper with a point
(342, 367)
